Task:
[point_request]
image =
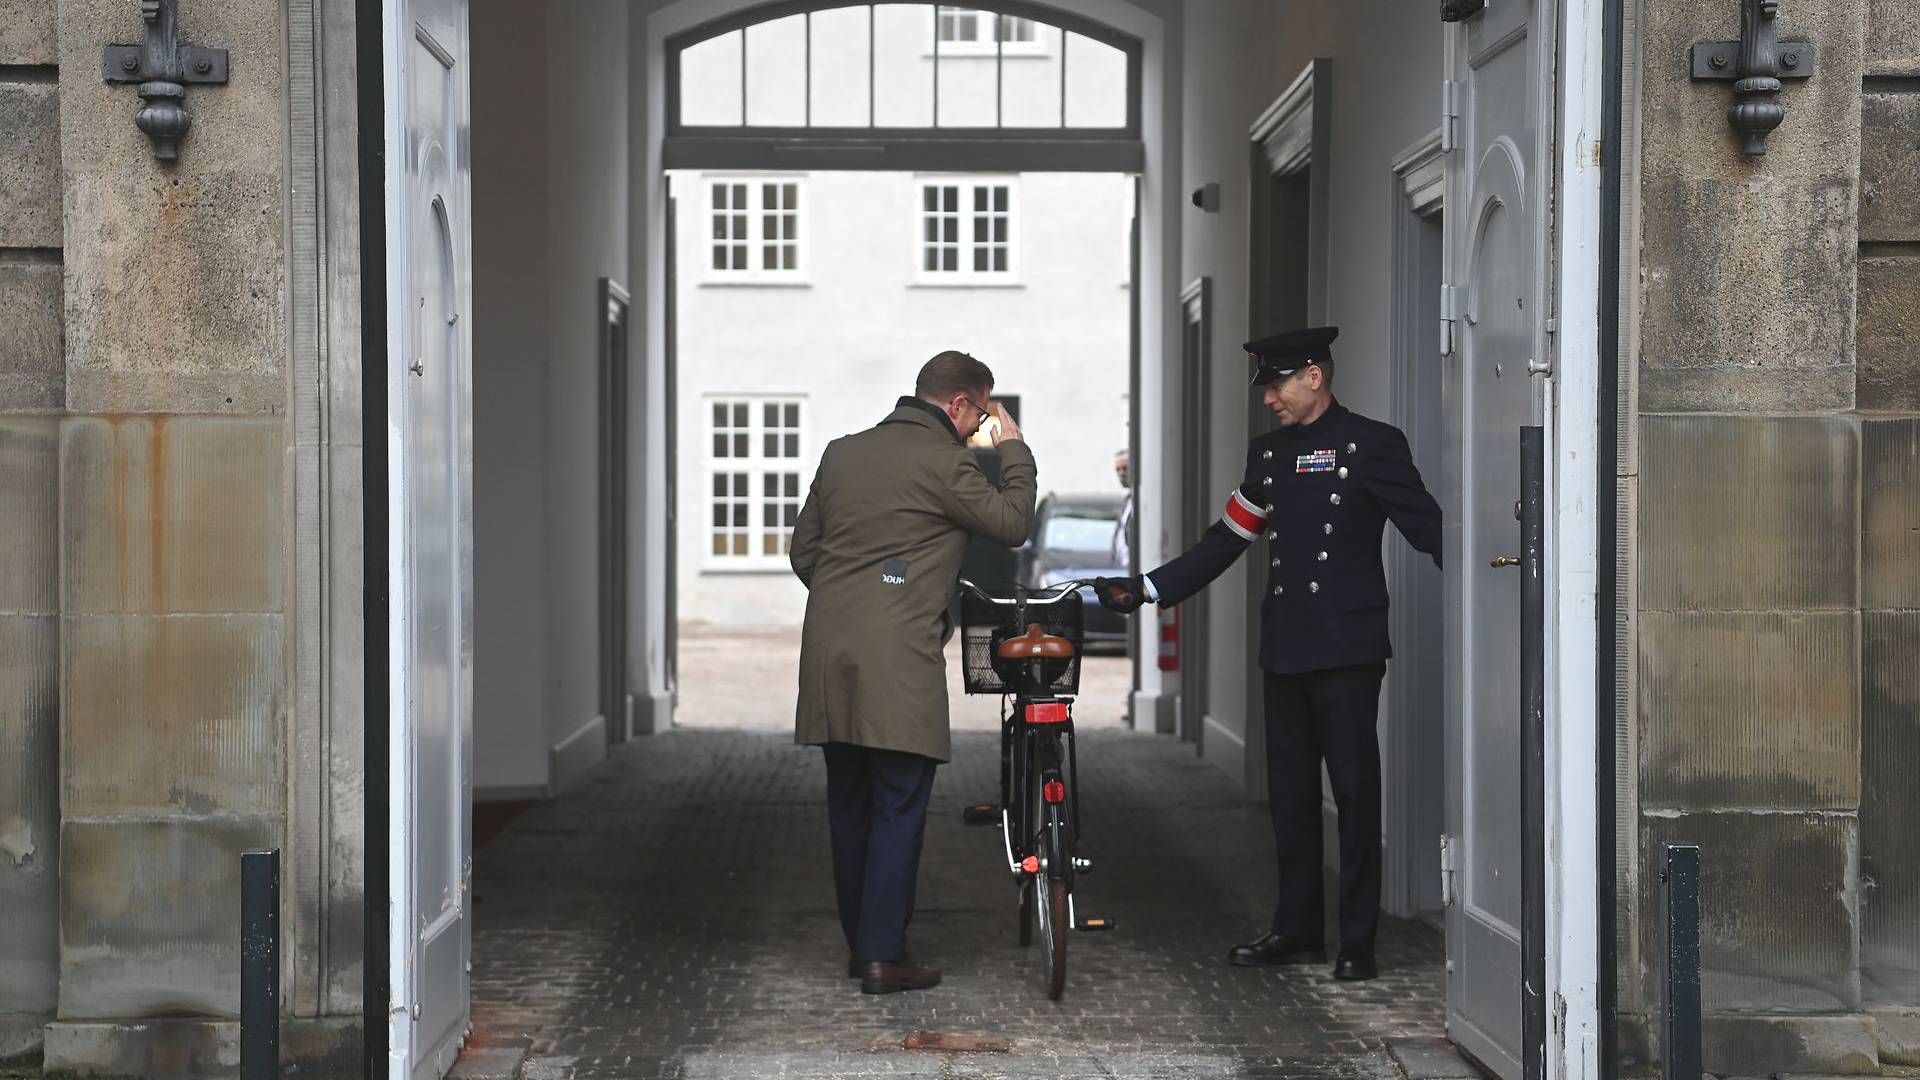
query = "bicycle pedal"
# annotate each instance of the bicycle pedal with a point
(1096, 922)
(981, 814)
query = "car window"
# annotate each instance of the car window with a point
(1078, 531)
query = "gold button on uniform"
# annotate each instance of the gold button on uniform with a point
(1334, 498)
(1266, 455)
(1327, 528)
(1323, 556)
(1313, 586)
(1343, 472)
(1278, 589)
(1352, 448)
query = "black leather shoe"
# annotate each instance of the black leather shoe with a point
(1277, 949)
(883, 978)
(855, 968)
(1355, 965)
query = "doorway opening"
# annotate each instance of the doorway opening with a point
(804, 286)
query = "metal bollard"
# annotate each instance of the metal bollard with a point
(260, 964)
(1680, 927)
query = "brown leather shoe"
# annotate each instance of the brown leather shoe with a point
(879, 977)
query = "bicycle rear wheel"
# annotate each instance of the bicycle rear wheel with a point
(1054, 920)
(1055, 902)
(1027, 890)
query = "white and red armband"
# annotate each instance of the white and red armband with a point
(1244, 516)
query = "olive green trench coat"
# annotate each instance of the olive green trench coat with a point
(879, 544)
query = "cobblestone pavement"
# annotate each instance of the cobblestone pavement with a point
(674, 918)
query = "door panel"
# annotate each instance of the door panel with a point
(1202, 503)
(1493, 265)
(429, 272)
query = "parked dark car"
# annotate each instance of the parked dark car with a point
(1074, 537)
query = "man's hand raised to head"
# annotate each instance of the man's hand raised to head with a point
(1124, 595)
(1007, 429)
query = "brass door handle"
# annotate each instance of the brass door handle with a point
(1499, 561)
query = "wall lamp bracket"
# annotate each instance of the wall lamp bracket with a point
(1756, 65)
(163, 67)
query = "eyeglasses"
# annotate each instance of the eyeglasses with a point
(984, 414)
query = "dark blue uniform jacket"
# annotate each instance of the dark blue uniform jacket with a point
(1328, 489)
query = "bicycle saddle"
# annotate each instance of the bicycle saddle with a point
(1036, 643)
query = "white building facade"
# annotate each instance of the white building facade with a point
(806, 301)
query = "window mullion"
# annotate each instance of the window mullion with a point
(999, 73)
(1063, 76)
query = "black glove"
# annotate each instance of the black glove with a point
(1124, 595)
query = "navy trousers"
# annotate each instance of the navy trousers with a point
(1326, 715)
(877, 811)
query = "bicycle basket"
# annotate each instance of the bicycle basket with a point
(984, 624)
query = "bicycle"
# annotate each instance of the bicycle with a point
(1026, 648)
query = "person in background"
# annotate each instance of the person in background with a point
(1122, 537)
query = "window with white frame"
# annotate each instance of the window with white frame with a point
(963, 30)
(754, 469)
(966, 229)
(755, 232)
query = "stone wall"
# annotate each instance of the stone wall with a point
(1888, 397)
(1775, 460)
(32, 393)
(143, 484)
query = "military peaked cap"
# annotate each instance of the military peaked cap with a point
(1282, 354)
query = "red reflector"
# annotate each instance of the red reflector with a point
(1031, 864)
(1050, 712)
(1054, 792)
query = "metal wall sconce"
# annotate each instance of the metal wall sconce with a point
(162, 66)
(1207, 198)
(1755, 65)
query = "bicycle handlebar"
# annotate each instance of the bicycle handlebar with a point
(1021, 594)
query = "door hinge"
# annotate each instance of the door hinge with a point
(1446, 871)
(1449, 316)
(1449, 115)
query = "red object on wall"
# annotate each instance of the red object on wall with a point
(1170, 639)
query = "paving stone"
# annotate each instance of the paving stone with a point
(674, 918)
(1431, 1059)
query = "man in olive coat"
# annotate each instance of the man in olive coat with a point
(878, 545)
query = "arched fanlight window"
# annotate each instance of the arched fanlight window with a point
(832, 83)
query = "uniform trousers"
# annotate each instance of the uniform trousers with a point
(877, 813)
(1313, 716)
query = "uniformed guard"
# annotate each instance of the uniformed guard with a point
(1321, 488)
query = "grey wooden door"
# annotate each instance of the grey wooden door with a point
(430, 343)
(1493, 266)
